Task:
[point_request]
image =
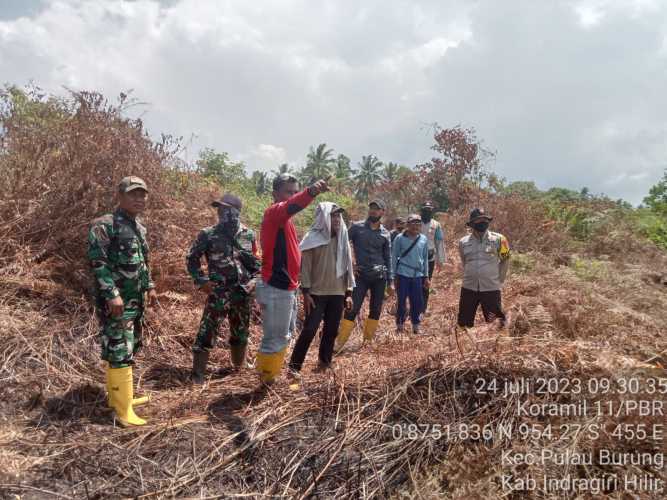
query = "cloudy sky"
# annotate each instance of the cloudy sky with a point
(569, 93)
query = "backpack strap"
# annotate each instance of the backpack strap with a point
(398, 261)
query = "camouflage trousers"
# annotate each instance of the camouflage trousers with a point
(120, 338)
(235, 305)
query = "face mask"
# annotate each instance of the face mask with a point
(229, 218)
(374, 218)
(426, 215)
(481, 227)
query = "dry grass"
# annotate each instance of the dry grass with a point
(335, 437)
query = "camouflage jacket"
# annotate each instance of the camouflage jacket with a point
(230, 262)
(118, 254)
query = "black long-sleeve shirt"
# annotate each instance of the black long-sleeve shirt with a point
(372, 247)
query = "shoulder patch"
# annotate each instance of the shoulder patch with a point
(504, 247)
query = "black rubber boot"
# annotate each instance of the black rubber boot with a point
(237, 353)
(199, 361)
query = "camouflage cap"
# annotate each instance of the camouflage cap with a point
(228, 200)
(414, 218)
(131, 183)
(377, 201)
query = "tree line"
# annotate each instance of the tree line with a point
(358, 180)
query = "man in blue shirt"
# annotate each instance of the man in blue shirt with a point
(410, 263)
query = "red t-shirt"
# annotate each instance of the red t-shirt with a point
(281, 257)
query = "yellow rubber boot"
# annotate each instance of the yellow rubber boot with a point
(142, 400)
(120, 383)
(370, 327)
(344, 331)
(269, 365)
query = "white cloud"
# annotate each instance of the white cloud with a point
(567, 93)
(265, 157)
(589, 15)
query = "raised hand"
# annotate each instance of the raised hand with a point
(318, 187)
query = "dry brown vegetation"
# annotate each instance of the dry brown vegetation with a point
(597, 314)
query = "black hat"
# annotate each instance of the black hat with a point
(335, 209)
(478, 213)
(378, 202)
(228, 200)
(427, 204)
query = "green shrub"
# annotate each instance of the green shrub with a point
(590, 269)
(522, 262)
(652, 225)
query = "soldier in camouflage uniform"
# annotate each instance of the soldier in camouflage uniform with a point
(118, 254)
(230, 251)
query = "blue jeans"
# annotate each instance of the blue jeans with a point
(409, 288)
(278, 316)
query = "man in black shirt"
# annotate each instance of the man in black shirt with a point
(372, 251)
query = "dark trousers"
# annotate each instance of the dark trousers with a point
(470, 299)
(329, 307)
(377, 288)
(409, 288)
(431, 267)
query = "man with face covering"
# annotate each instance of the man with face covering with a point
(373, 272)
(230, 251)
(432, 229)
(485, 259)
(327, 280)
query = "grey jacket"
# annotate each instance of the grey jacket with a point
(371, 246)
(485, 262)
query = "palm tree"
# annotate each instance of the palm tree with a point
(283, 168)
(342, 169)
(261, 182)
(319, 162)
(368, 175)
(393, 171)
(390, 171)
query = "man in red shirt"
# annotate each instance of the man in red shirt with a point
(281, 264)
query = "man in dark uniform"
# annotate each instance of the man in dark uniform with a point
(373, 272)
